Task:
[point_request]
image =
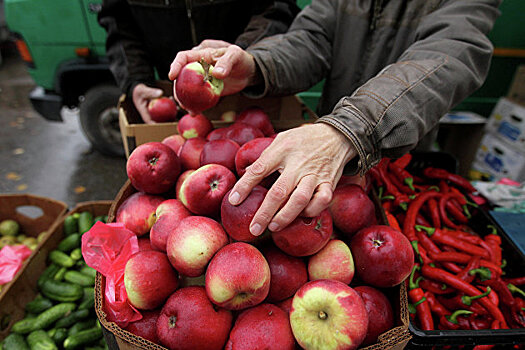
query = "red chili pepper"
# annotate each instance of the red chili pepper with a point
(387, 206)
(461, 258)
(450, 322)
(403, 176)
(456, 212)
(436, 288)
(465, 301)
(417, 298)
(443, 212)
(403, 161)
(413, 210)
(434, 213)
(493, 296)
(483, 347)
(443, 276)
(420, 220)
(400, 183)
(472, 264)
(400, 198)
(442, 237)
(493, 240)
(442, 174)
(478, 323)
(443, 187)
(392, 221)
(435, 305)
(517, 281)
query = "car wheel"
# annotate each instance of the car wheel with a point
(99, 119)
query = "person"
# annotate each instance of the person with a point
(145, 35)
(392, 69)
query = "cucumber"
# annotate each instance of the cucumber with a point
(62, 291)
(51, 315)
(76, 254)
(79, 278)
(72, 318)
(61, 258)
(81, 326)
(15, 342)
(60, 274)
(85, 221)
(94, 348)
(70, 225)
(88, 304)
(40, 340)
(102, 218)
(38, 305)
(27, 325)
(83, 338)
(69, 243)
(57, 334)
(49, 273)
(89, 271)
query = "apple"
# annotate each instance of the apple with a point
(144, 244)
(189, 321)
(383, 256)
(250, 152)
(355, 180)
(328, 314)
(180, 181)
(146, 327)
(242, 133)
(196, 88)
(286, 305)
(174, 142)
(305, 236)
(228, 116)
(153, 167)
(192, 244)
(218, 134)
(163, 109)
(190, 153)
(380, 313)
(288, 274)
(203, 190)
(169, 215)
(236, 219)
(265, 326)
(185, 281)
(238, 277)
(191, 126)
(137, 212)
(221, 152)
(257, 117)
(333, 262)
(149, 279)
(351, 209)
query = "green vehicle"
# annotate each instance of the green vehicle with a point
(64, 49)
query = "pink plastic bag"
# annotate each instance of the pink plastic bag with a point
(11, 259)
(107, 248)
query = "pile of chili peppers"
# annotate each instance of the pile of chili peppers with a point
(458, 280)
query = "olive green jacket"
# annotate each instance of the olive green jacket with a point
(392, 68)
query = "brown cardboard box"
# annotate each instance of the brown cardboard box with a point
(284, 112)
(23, 288)
(118, 338)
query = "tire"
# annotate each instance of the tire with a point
(99, 119)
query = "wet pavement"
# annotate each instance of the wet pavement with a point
(48, 158)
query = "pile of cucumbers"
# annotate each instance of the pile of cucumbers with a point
(62, 315)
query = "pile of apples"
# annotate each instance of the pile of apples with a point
(202, 281)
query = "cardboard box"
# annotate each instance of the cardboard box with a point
(507, 121)
(118, 338)
(517, 88)
(284, 112)
(24, 287)
(495, 159)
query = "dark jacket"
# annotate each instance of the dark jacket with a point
(147, 34)
(392, 68)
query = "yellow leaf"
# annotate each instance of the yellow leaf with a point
(80, 189)
(13, 176)
(21, 187)
(19, 151)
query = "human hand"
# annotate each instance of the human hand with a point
(211, 43)
(232, 64)
(310, 159)
(141, 96)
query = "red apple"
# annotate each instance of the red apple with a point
(257, 117)
(220, 152)
(355, 180)
(328, 314)
(305, 236)
(185, 281)
(144, 244)
(146, 327)
(137, 212)
(265, 326)
(191, 126)
(286, 305)
(190, 153)
(250, 152)
(228, 116)
(236, 219)
(217, 134)
(333, 262)
(149, 279)
(238, 277)
(174, 142)
(192, 244)
(196, 88)
(380, 314)
(351, 209)
(383, 256)
(153, 167)
(169, 214)
(203, 190)
(288, 274)
(163, 109)
(180, 181)
(242, 133)
(189, 321)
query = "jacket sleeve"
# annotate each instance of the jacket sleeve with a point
(271, 20)
(392, 111)
(129, 62)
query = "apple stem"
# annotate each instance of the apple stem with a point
(318, 224)
(206, 66)
(173, 321)
(323, 315)
(377, 243)
(153, 161)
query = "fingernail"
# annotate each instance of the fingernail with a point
(234, 198)
(255, 229)
(273, 227)
(219, 70)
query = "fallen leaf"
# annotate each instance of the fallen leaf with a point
(13, 124)
(80, 189)
(13, 176)
(19, 151)
(21, 187)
